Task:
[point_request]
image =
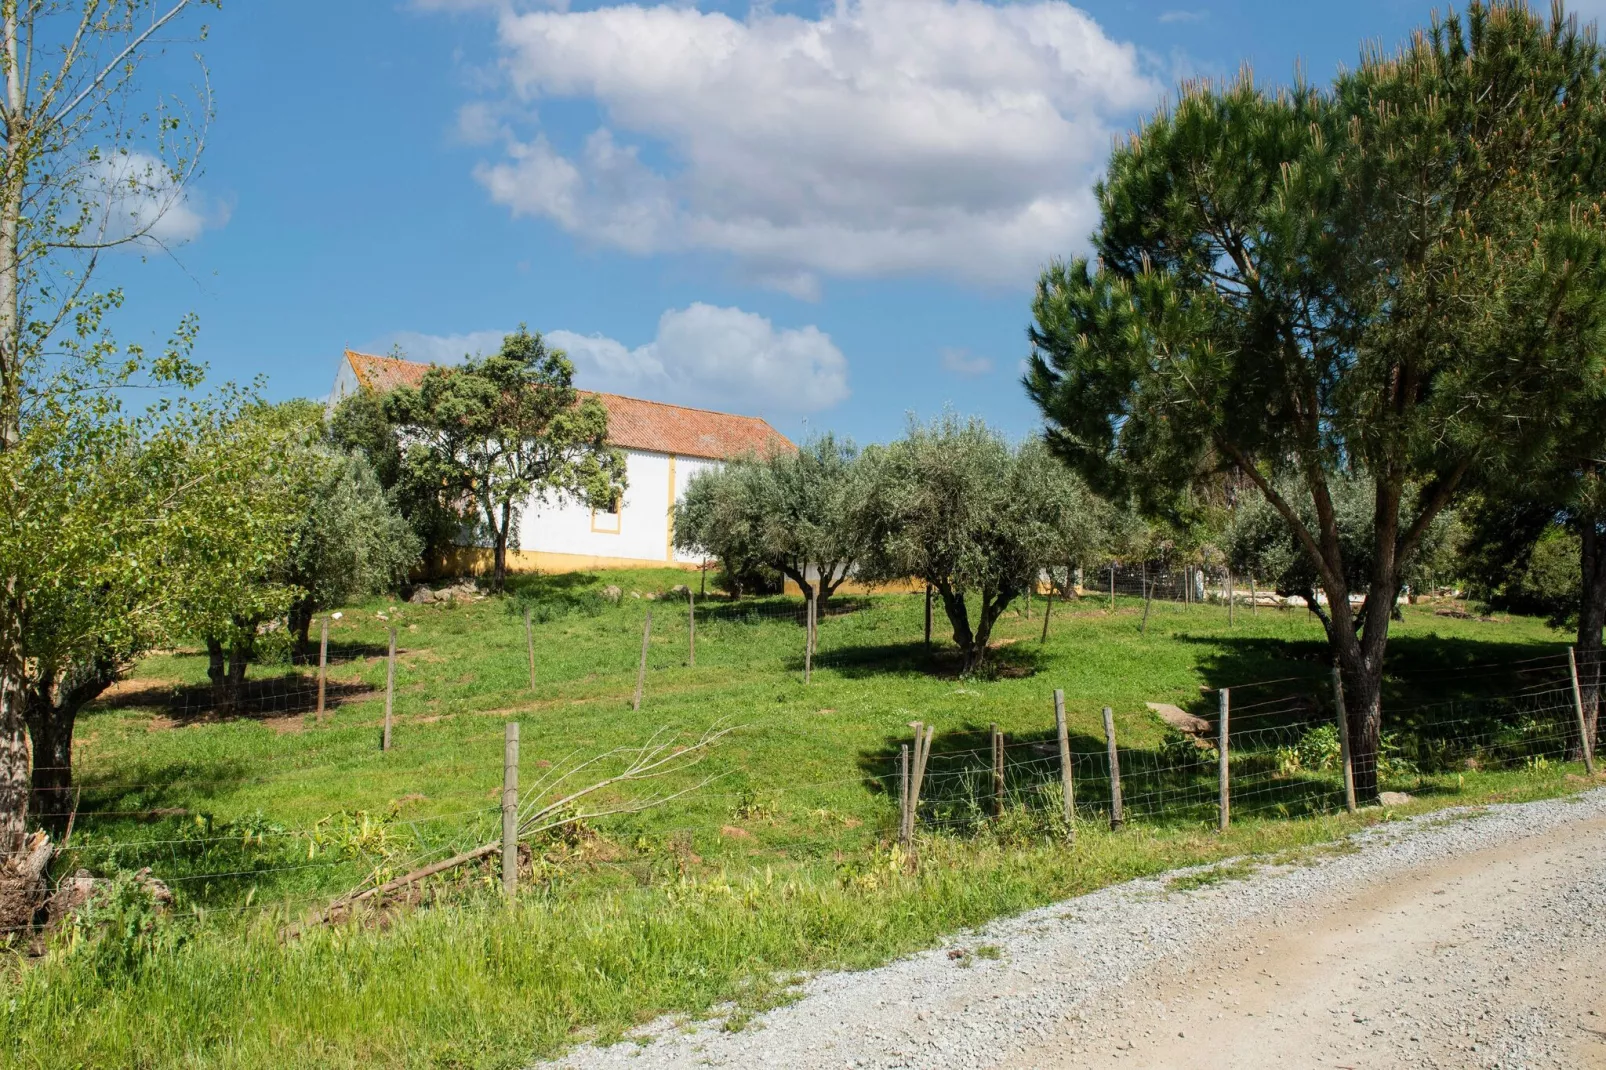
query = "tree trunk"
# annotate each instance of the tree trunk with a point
(301, 626)
(1591, 619)
(992, 607)
(217, 671)
(499, 564)
(953, 604)
(226, 669)
(50, 728)
(13, 738)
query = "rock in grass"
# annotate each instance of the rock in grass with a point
(422, 596)
(612, 594)
(1393, 798)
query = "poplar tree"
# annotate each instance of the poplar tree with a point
(91, 159)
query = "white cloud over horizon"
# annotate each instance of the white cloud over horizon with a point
(964, 363)
(883, 137)
(702, 355)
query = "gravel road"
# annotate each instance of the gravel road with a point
(1465, 938)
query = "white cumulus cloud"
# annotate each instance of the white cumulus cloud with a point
(703, 355)
(882, 137)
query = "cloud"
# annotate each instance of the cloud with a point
(964, 363)
(440, 348)
(884, 137)
(703, 355)
(140, 198)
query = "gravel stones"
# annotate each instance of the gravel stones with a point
(1069, 971)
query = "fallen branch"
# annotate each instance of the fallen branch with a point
(657, 757)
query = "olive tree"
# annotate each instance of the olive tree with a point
(789, 511)
(1397, 279)
(956, 506)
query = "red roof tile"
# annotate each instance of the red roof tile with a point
(632, 422)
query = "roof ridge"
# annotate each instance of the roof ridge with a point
(675, 405)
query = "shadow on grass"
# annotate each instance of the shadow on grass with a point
(1172, 784)
(942, 660)
(287, 694)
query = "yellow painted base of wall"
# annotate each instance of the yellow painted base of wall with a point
(475, 561)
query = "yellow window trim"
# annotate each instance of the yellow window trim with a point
(618, 516)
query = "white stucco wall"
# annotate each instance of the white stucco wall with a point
(644, 521)
(345, 385)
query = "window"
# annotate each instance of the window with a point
(607, 522)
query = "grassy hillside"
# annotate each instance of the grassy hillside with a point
(783, 863)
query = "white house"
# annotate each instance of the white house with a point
(664, 446)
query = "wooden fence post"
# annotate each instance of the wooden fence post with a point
(808, 639)
(998, 772)
(903, 794)
(1112, 588)
(1254, 598)
(691, 630)
(1586, 746)
(1117, 819)
(928, 615)
(1048, 607)
(915, 774)
(1067, 787)
(1223, 738)
(390, 690)
(1343, 740)
(1232, 600)
(510, 808)
(323, 662)
(641, 670)
(529, 643)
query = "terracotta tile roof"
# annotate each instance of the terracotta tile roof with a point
(385, 373)
(632, 422)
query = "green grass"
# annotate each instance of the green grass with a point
(783, 864)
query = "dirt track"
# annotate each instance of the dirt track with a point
(1472, 938)
(1492, 959)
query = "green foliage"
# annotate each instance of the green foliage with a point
(358, 425)
(788, 513)
(503, 432)
(1260, 543)
(350, 541)
(1400, 279)
(954, 505)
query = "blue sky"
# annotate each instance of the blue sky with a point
(827, 214)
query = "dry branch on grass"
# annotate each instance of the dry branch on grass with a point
(658, 757)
